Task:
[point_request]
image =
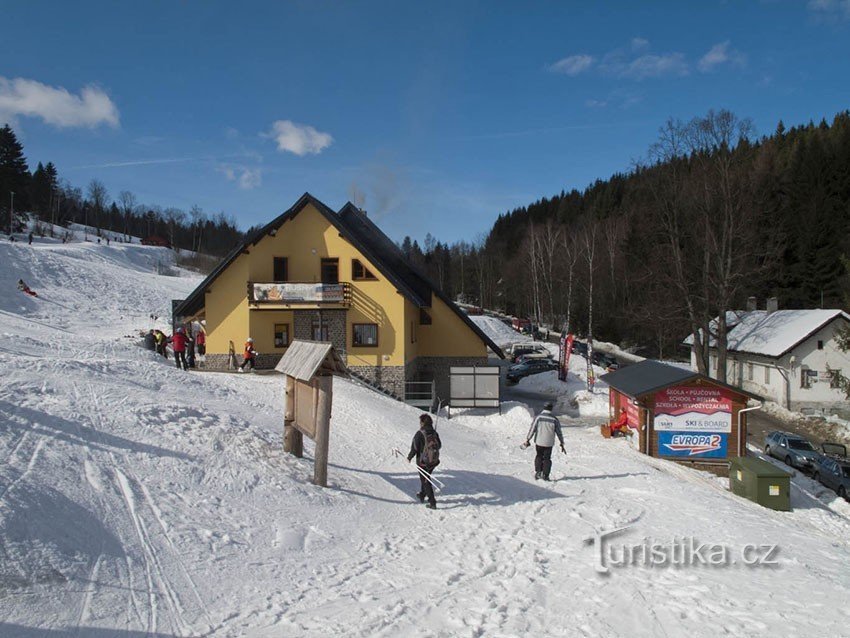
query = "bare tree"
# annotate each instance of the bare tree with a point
(588, 237)
(549, 240)
(572, 252)
(707, 220)
(127, 204)
(174, 217)
(97, 196)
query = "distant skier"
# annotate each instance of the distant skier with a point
(425, 447)
(29, 239)
(201, 342)
(544, 429)
(178, 344)
(249, 356)
(190, 346)
(161, 342)
(150, 340)
(26, 289)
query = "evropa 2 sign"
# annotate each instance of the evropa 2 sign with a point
(693, 444)
(693, 409)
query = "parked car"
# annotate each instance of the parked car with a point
(534, 356)
(579, 347)
(833, 468)
(520, 350)
(528, 368)
(606, 361)
(792, 449)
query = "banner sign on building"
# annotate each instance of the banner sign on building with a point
(695, 445)
(299, 293)
(693, 409)
(633, 415)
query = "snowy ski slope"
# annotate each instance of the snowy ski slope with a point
(140, 500)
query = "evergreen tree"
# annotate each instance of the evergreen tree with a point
(14, 175)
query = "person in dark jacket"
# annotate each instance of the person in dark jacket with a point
(178, 344)
(425, 448)
(544, 429)
(150, 340)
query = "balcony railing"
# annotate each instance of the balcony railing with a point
(294, 293)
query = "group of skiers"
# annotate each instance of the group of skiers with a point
(426, 445)
(185, 344)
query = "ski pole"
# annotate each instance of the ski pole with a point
(437, 483)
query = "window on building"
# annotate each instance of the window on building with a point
(820, 345)
(281, 335)
(364, 334)
(412, 332)
(281, 269)
(750, 369)
(330, 271)
(766, 375)
(359, 272)
(804, 378)
(319, 330)
(424, 318)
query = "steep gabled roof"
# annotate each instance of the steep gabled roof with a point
(372, 243)
(772, 334)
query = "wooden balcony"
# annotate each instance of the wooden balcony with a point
(298, 295)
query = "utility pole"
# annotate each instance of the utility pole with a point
(11, 212)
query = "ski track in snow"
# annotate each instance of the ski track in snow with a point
(137, 499)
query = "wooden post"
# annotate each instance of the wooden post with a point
(323, 397)
(293, 440)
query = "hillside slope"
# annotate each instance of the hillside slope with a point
(139, 500)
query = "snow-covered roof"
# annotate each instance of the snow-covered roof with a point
(772, 334)
(303, 359)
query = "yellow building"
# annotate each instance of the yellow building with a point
(316, 274)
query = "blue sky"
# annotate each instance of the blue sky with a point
(436, 116)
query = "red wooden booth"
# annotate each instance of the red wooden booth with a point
(679, 414)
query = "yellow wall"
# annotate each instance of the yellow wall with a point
(448, 335)
(226, 305)
(304, 241)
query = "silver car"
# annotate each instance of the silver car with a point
(792, 449)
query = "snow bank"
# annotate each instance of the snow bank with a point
(137, 499)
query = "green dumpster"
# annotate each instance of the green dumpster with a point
(761, 482)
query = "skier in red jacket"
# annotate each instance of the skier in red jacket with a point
(249, 355)
(178, 344)
(621, 425)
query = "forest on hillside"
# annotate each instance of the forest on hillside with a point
(56, 202)
(711, 216)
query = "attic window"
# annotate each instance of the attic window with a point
(359, 272)
(820, 345)
(424, 318)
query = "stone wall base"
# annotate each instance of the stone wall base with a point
(222, 361)
(390, 378)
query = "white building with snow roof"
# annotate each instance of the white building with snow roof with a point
(786, 356)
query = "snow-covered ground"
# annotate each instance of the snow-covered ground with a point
(140, 500)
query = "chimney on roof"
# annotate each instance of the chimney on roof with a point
(772, 304)
(752, 304)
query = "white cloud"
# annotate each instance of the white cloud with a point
(721, 53)
(830, 8)
(573, 65)
(246, 178)
(650, 66)
(56, 105)
(299, 139)
(595, 104)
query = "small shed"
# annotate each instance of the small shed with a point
(309, 367)
(680, 414)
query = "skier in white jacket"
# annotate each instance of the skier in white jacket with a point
(544, 429)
